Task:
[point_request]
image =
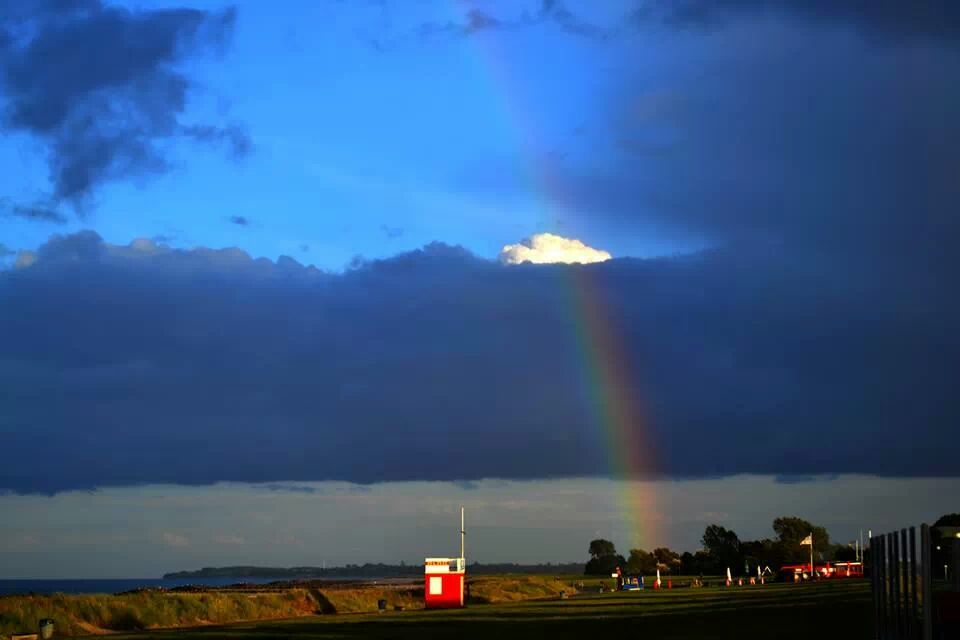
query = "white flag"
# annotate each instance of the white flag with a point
(808, 540)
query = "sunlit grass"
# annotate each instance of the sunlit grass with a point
(82, 614)
(520, 606)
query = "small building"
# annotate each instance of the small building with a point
(847, 570)
(445, 578)
(444, 582)
(801, 572)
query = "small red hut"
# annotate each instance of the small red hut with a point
(445, 578)
(443, 587)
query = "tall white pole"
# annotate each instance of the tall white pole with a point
(463, 533)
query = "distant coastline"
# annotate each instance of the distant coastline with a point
(369, 570)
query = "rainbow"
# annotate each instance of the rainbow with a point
(617, 407)
(606, 375)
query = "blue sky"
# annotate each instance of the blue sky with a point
(776, 185)
(367, 138)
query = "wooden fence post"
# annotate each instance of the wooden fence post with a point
(875, 584)
(895, 583)
(926, 580)
(884, 588)
(914, 601)
(905, 584)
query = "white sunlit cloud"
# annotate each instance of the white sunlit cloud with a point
(547, 248)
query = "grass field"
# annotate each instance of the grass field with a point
(76, 615)
(838, 609)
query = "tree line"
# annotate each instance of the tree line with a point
(723, 548)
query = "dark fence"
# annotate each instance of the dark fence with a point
(916, 583)
(900, 573)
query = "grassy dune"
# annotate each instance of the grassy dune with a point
(496, 589)
(99, 614)
(88, 614)
(364, 599)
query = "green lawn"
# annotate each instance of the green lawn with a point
(833, 609)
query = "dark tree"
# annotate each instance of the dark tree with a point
(943, 545)
(701, 562)
(844, 553)
(603, 558)
(604, 565)
(948, 520)
(765, 553)
(667, 560)
(600, 548)
(723, 545)
(791, 530)
(641, 561)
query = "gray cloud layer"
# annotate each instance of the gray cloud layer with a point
(126, 365)
(102, 86)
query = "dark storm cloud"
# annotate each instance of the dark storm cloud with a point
(556, 12)
(478, 21)
(834, 154)
(102, 86)
(233, 136)
(550, 12)
(891, 20)
(887, 18)
(240, 221)
(391, 232)
(474, 21)
(38, 213)
(139, 364)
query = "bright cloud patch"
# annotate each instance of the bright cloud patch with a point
(547, 248)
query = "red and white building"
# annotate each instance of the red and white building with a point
(800, 572)
(444, 582)
(445, 578)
